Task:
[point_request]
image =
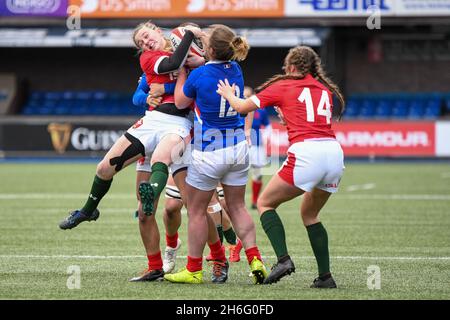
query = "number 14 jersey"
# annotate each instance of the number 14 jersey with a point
(306, 105)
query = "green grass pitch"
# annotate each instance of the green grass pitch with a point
(395, 216)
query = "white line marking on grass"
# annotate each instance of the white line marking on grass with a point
(15, 196)
(65, 210)
(357, 187)
(422, 197)
(94, 257)
(112, 196)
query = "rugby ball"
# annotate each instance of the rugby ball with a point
(177, 35)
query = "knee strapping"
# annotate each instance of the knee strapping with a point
(215, 208)
(136, 147)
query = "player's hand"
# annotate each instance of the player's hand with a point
(225, 89)
(280, 116)
(156, 90)
(198, 33)
(153, 102)
(193, 61)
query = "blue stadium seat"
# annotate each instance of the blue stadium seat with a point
(352, 109)
(100, 95)
(400, 109)
(83, 95)
(68, 95)
(44, 111)
(416, 109)
(383, 109)
(28, 110)
(61, 110)
(51, 95)
(367, 108)
(433, 109)
(37, 95)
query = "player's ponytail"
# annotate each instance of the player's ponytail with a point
(333, 88)
(226, 45)
(240, 48)
(317, 72)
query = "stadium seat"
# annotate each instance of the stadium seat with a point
(352, 109)
(367, 109)
(53, 95)
(416, 109)
(400, 109)
(433, 109)
(383, 109)
(36, 96)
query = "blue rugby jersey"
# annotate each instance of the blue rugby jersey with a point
(216, 124)
(142, 90)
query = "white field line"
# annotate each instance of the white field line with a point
(131, 196)
(357, 187)
(93, 257)
(57, 196)
(420, 197)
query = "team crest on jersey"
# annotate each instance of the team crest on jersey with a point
(138, 123)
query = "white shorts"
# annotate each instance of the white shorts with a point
(317, 163)
(258, 156)
(143, 164)
(182, 162)
(154, 126)
(228, 165)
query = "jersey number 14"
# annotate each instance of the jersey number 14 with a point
(230, 112)
(323, 109)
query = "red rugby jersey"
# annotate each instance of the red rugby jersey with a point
(306, 105)
(149, 63)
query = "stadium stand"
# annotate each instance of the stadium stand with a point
(397, 106)
(80, 103)
(359, 106)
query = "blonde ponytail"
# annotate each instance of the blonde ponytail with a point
(240, 48)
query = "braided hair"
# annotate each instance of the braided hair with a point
(306, 61)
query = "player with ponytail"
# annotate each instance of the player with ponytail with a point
(315, 160)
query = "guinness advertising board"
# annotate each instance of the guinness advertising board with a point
(59, 138)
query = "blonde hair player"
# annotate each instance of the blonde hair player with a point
(161, 135)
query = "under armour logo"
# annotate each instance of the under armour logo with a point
(92, 197)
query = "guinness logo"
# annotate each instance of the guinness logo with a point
(60, 135)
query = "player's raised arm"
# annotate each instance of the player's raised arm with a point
(240, 105)
(179, 56)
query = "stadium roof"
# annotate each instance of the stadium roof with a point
(116, 37)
